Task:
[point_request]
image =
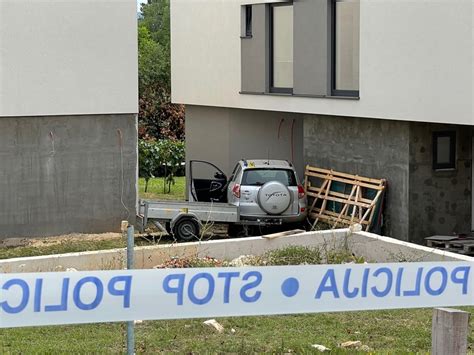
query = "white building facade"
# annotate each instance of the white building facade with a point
(371, 87)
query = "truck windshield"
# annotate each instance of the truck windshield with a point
(258, 177)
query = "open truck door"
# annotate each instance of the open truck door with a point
(207, 182)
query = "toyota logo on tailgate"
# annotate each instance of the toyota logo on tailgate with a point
(276, 194)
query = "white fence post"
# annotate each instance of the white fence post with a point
(449, 331)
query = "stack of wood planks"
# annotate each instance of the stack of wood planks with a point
(455, 243)
(340, 199)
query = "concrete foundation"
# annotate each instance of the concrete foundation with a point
(67, 174)
(372, 247)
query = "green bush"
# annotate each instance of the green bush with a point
(163, 157)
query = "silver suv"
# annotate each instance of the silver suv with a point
(267, 192)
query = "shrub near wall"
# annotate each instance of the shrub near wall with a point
(161, 158)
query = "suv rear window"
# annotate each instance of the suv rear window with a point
(258, 177)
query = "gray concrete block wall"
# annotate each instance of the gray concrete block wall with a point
(440, 201)
(63, 174)
(368, 147)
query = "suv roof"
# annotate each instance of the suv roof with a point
(264, 163)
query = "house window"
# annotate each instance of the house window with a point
(248, 20)
(345, 48)
(444, 150)
(281, 38)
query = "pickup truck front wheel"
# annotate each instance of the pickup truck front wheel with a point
(187, 229)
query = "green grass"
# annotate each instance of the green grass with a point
(387, 332)
(155, 189)
(399, 331)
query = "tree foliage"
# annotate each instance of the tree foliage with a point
(153, 71)
(158, 117)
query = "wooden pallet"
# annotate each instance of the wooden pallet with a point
(348, 207)
(452, 243)
(440, 241)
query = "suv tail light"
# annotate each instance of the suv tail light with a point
(301, 192)
(236, 190)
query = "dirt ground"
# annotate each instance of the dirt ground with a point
(55, 240)
(217, 231)
(152, 235)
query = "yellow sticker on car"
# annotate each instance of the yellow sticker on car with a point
(251, 164)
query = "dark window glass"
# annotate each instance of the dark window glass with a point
(258, 177)
(444, 150)
(248, 20)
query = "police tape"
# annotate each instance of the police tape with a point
(107, 296)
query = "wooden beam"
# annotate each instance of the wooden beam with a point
(350, 176)
(347, 181)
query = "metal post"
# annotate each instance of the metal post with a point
(130, 325)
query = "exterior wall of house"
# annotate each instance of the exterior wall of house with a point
(367, 147)
(224, 136)
(68, 57)
(420, 202)
(67, 174)
(420, 71)
(414, 78)
(440, 201)
(68, 124)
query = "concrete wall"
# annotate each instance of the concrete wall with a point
(372, 148)
(440, 201)
(372, 247)
(63, 174)
(416, 61)
(61, 57)
(224, 136)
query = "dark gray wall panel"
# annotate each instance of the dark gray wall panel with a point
(64, 174)
(311, 52)
(254, 53)
(440, 201)
(367, 147)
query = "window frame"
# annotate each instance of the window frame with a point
(451, 165)
(334, 91)
(275, 89)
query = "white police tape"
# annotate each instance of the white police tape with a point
(106, 296)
